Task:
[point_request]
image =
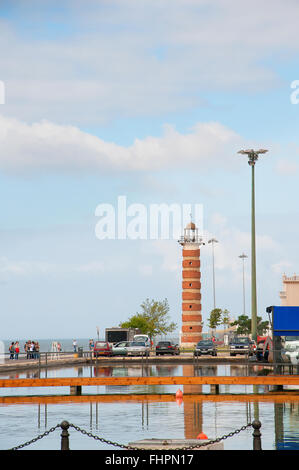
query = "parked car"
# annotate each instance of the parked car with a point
(144, 339)
(241, 345)
(120, 349)
(137, 348)
(167, 347)
(290, 350)
(102, 348)
(205, 347)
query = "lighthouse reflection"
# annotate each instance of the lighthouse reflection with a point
(193, 415)
(152, 411)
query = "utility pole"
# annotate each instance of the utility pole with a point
(243, 257)
(252, 159)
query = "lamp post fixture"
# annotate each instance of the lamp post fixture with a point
(213, 240)
(252, 159)
(243, 256)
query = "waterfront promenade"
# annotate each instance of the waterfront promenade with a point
(53, 360)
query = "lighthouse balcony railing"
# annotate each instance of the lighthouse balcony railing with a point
(195, 239)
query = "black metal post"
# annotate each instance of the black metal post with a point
(257, 443)
(65, 445)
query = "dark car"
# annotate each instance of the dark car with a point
(102, 348)
(167, 347)
(205, 347)
(241, 345)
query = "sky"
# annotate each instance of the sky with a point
(149, 101)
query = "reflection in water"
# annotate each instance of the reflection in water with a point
(192, 411)
(146, 419)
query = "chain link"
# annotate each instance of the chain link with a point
(123, 446)
(40, 436)
(128, 447)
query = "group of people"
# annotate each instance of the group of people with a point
(31, 349)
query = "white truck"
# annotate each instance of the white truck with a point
(143, 339)
(290, 351)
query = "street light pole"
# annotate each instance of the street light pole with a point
(213, 240)
(252, 159)
(243, 256)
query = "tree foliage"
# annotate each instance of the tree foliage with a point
(243, 324)
(153, 319)
(225, 319)
(214, 319)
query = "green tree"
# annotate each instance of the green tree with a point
(214, 319)
(153, 318)
(225, 320)
(136, 321)
(243, 324)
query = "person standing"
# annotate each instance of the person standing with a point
(31, 350)
(17, 350)
(12, 350)
(37, 348)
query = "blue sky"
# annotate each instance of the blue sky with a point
(151, 100)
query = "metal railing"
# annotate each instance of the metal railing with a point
(45, 360)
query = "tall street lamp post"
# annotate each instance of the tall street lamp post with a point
(213, 240)
(243, 257)
(252, 159)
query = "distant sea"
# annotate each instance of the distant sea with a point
(67, 343)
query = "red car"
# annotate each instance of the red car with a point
(102, 348)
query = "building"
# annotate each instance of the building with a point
(289, 296)
(191, 331)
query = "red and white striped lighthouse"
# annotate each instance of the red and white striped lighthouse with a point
(191, 331)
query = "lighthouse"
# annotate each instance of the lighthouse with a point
(191, 331)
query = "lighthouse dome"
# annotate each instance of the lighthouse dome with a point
(191, 226)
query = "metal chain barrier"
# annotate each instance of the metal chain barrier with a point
(40, 436)
(124, 446)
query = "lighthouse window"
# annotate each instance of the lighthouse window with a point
(190, 284)
(190, 306)
(190, 327)
(190, 262)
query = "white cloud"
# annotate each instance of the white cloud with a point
(168, 253)
(287, 167)
(20, 268)
(48, 146)
(134, 58)
(281, 267)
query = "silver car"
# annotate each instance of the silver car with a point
(120, 349)
(138, 348)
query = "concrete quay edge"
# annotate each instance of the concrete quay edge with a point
(185, 358)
